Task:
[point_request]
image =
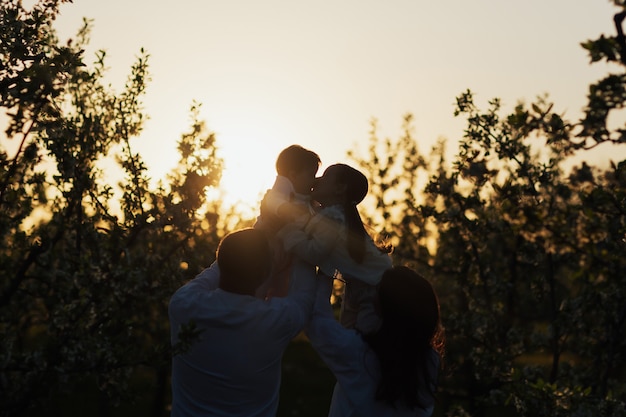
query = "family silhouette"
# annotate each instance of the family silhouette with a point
(274, 280)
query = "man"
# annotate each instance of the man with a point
(234, 368)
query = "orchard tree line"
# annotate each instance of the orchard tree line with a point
(523, 240)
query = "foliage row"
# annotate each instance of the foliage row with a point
(88, 265)
(527, 256)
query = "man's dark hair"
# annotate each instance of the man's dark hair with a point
(245, 260)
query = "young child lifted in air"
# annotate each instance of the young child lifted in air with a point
(335, 240)
(296, 168)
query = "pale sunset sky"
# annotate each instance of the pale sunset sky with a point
(276, 72)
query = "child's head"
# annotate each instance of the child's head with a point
(299, 165)
(344, 185)
(340, 184)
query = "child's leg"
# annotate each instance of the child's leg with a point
(358, 308)
(368, 318)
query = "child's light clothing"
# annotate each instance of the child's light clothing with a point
(358, 309)
(323, 242)
(281, 192)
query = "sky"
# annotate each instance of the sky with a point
(272, 73)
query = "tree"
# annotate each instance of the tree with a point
(86, 266)
(528, 258)
(396, 170)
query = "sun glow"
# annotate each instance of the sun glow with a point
(245, 194)
(248, 171)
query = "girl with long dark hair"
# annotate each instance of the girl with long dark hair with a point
(336, 241)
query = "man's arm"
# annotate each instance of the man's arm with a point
(209, 278)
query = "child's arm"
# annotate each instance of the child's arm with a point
(277, 210)
(272, 200)
(316, 243)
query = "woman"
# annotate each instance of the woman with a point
(393, 371)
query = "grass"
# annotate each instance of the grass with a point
(306, 390)
(307, 384)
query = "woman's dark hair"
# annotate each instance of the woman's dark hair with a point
(410, 331)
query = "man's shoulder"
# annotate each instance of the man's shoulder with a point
(183, 297)
(195, 293)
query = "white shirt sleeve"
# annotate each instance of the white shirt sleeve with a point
(209, 278)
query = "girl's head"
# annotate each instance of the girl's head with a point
(340, 184)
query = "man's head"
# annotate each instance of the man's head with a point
(299, 165)
(245, 261)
